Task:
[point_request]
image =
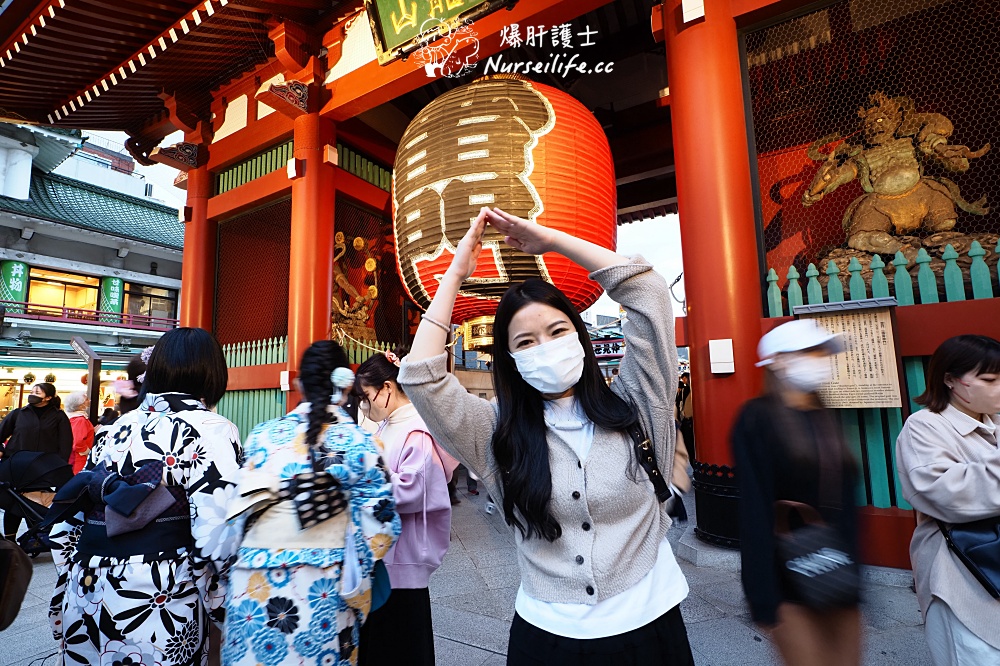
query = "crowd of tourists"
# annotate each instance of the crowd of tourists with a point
(313, 541)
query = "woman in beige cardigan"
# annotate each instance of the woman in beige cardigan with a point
(599, 581)
(949, 469)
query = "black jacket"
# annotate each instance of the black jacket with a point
(32, 429)
(766, 472)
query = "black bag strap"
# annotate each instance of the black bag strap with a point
(646, 455)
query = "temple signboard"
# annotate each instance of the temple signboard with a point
(403, 26)
(867, 373)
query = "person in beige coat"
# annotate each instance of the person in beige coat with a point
(949, 470)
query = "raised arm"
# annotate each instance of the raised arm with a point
(432, 333)
(521, 234)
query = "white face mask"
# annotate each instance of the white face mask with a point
(975, 394)
(807, 373)
(554, 367)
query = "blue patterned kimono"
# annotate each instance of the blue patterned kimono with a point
(285, 605)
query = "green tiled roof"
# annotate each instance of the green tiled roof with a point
(78, 204)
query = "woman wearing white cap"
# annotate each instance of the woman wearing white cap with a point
(789, 447)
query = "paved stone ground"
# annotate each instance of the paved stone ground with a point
(473, 592)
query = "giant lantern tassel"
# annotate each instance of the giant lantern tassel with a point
(531, 150)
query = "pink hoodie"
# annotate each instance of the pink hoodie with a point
(420, 473)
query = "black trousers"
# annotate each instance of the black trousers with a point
(11, 524)
(400, 632)
(663, 642)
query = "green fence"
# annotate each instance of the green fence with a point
(957, 281)
(261, 164)
(256, 352)
(872, 433)
(276, 157)
(248, 408)
(359, 351)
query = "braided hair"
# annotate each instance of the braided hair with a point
(318, 364)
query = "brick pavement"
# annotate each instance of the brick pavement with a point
(472, 597)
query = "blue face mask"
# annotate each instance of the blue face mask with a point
(553, 367)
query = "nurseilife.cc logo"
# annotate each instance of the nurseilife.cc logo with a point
(453, 51)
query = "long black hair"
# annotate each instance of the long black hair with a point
(318, 364)
(519, 443)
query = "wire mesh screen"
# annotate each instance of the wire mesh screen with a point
(872, 122)
(252, 288)
(369, 303)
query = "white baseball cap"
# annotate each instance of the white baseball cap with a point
(794, 336)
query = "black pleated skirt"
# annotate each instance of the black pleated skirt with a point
(662, 641)
(400, 632)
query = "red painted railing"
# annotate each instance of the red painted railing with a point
(36, 312)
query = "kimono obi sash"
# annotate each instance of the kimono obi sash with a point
(279, 528)
(135, 514)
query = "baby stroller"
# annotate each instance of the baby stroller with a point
(28, 483)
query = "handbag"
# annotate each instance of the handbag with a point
(977, 545)
(15, 576)
(814, 561)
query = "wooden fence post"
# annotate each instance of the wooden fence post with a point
(857, 283)
(979, 273)
(794, 290)
(902, 282)
(880, 286)
(834, 288)
(954, 283)
(926, 282)
(814, 292)
(774, 308)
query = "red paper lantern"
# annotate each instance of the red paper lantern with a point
(528, 148)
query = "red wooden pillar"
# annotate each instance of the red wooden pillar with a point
(197, 300)
(719, 240)
(310, 280)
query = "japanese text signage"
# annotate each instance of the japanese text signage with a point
(866, 373)
(112, 297)
(607, 349)
(13, 282)
(400, 26)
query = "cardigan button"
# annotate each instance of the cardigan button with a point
(586, 527)
(579, 559)
(590, 590)
(576, 494)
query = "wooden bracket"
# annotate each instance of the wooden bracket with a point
(297, 51)
(182, 156)
(196, 126)
(140, 147)
(292, 98)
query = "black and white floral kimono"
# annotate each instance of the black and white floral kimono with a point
(153, 609)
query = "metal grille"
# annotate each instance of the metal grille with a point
(369, 303)
(252, 287)
(871, 124)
